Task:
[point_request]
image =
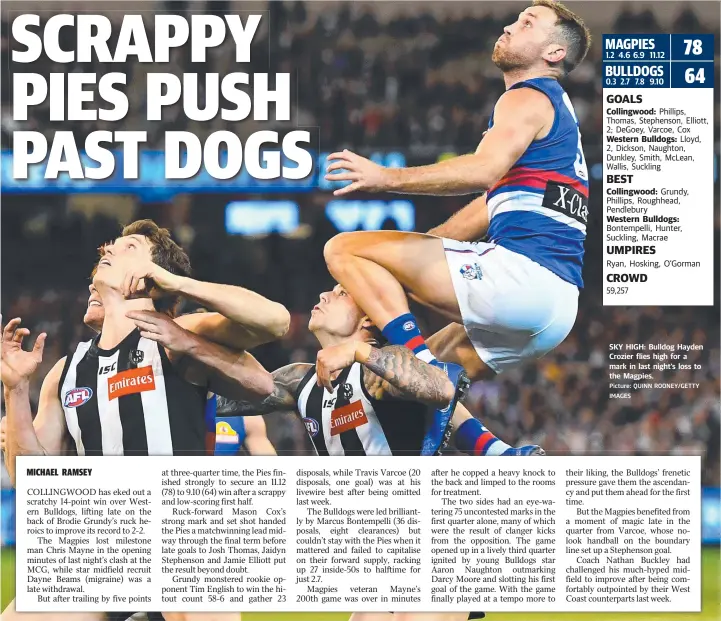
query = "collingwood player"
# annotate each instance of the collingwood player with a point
(377, 404)
(153, 352)
(174, 338)
(224, 435)
(123, 393)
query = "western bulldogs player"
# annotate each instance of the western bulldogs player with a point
(515, 295)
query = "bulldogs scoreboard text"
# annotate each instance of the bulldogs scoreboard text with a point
(658, 198)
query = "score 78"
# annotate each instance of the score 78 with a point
(693, 46)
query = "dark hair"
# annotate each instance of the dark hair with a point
(574, 33)
(376, 335)
(165, 253)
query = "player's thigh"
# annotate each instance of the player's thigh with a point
(201, 616)
(10, 614)
(451, 344)
(372, 616)
(416, 260)
(431, 616)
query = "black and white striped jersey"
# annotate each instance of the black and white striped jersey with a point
(129, 400)
(351, 422)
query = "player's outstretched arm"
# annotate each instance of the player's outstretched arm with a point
(392, 371)
(242, 319)
(468, 224)
(519, 117)
(233, 374)
(256, 437)
(283, 397)
(44, 435)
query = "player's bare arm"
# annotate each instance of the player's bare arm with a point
(233, 374)
(392, 371)
(282, 399)
(256, 437)
(25, 436)
(468, 224)
(242, 318)
(520, 117)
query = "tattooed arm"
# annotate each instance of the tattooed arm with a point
(283, 398)
(392, 371)
(395, 372)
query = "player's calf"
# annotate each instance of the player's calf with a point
(474, 438)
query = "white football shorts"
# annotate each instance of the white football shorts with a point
(513, 309)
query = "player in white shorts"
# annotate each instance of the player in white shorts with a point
(514, 296)
(516, 293)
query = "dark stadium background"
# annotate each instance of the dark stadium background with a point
(407, 78)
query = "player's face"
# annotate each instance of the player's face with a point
(117, 257)
(336, 313)
(524, 42)
(95, 313)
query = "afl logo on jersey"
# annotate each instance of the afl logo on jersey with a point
(311, 426)
(77, 396)
(225, 434)
(471, 271)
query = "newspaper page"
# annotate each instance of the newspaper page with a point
(342, 239)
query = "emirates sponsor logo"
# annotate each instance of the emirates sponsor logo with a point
(130, 382)
(347, 417)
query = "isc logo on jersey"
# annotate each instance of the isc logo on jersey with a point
(225, 434)
(107, 369)
(130, 382)
(76, 397)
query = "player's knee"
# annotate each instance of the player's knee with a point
(336, 249)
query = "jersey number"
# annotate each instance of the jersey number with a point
(580, 164)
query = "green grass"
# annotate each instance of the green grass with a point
(7, 574)
(711, 610)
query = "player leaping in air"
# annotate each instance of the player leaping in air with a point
(516, 294)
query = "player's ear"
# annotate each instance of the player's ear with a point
(554, 53)
(366, 323)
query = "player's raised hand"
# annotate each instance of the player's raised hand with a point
(333, 359)
(364, 174)
(142, 275)
(162, 329)
(19, 365)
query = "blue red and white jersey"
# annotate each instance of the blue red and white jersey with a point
(224, 434)
(540, 207)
